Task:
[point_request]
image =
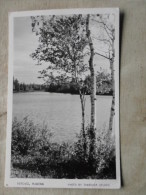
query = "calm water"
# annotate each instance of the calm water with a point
(61, 112)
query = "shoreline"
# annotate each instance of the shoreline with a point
(14, 92)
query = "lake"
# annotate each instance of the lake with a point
(61, 112)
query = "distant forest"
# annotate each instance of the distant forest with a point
(103, 85)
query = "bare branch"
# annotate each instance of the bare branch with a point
(102, 55)
(106, 28)
(104, 40)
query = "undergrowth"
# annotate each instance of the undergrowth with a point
(34, 153)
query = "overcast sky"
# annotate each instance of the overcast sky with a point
(25, 43)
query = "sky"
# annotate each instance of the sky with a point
(25, 43)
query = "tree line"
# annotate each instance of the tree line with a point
(57, 85)
(103, 85)
(22, 87)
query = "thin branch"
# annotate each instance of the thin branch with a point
(104, 40)
(98, 50)
(102, 55)
(105, 28)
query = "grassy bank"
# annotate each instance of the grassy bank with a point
(35, 155)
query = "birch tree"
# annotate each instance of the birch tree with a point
(93, 91)
(107, 38)
(62, 40)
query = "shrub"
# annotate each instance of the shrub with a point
(33, 150)
(28, 138)
(105, 156)
(102, 165)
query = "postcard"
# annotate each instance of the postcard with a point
(63, 99)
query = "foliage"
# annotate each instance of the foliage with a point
(34, 153)
(27, 137)
(16, 85)
(23, 87)
(58, 85)
(105, 156)
(62, 40)
(104, 83)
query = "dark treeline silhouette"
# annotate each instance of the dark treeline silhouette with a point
(22, 87)
(103, 83)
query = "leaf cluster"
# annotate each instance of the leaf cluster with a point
(62, 40)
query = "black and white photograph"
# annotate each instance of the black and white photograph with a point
(63, 99)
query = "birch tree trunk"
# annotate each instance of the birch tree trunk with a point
(112, 111)
(93, 93)
(82, 98)
(83, 112)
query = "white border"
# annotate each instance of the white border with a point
(61, 183)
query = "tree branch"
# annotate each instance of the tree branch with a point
(105, 28)
(104, 40)
(102, 55)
